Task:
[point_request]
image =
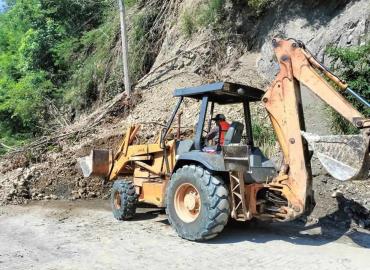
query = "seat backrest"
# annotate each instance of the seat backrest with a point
(234, 133)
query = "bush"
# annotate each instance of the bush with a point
(22, 103)
(211, 13)
(38, 39)
(352, 65)
(258, 5)
(208, 14)
(188, 23)
(142, 54)
(90, 56)
(264, 137)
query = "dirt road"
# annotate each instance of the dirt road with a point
(84, 235)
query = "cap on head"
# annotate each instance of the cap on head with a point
(219, 117)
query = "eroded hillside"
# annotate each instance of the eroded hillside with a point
(233, 46)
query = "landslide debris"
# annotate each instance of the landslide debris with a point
(48, 169)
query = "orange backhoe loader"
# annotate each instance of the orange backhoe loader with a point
(202, 186)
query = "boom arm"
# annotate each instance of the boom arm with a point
(283, 102)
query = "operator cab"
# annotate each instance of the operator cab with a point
(238, 151)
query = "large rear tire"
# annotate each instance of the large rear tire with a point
(197, 203)
(123, 199)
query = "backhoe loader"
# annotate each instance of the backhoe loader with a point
(202, 186)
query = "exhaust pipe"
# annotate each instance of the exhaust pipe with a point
(98, 163)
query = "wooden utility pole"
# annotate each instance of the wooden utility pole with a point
(124, 47)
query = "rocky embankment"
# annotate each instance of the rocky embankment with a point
(50, 171)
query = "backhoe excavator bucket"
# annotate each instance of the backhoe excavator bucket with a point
(98, 163)
(345, 157)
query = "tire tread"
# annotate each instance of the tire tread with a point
(219, 208)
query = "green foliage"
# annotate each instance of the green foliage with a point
(141, 54)
(38, 40)
(94, 73)
(90, 56)
(188, 25)
(211, 13)
(353, 65)
(208, 14)
(264, 137)
(258, 5)
(130, 3)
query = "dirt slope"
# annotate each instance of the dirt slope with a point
(49, 170)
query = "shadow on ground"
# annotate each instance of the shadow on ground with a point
(313, 235)
(341, 223)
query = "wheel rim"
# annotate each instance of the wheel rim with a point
(117, 200)
(187, 202)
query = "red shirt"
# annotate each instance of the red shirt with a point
(224, 127)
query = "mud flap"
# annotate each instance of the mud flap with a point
(98, 163)
(345, 157)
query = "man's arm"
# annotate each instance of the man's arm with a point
(212, 134)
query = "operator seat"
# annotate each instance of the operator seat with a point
(234, 133)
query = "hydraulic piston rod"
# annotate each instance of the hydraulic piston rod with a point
(358, 97)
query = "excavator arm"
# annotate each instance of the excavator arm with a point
(345, 157)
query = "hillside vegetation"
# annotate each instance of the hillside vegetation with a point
(43, 46)
(61, 58)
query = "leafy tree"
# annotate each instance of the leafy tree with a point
(37, 41)
(353, 65)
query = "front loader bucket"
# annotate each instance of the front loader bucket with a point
(345, 157)
(98, 163)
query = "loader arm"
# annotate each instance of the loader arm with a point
(283, 103)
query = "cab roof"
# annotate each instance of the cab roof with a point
(222, 92)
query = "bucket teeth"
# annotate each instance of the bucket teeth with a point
(345, 157)
(86, 165)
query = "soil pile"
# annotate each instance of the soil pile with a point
(47, 169)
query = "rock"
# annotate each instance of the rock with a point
(75, 197)
(22, 183)
(181, 65)
(361, 224)
(53, 197)
(337, 194)
(91, 194)
(81, 191)
(47, 197)
(27, 174)
(367, 223)
(367, 204)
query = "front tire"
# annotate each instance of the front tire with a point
(123, 199)
(197, 203)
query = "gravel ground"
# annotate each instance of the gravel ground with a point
(84, 235)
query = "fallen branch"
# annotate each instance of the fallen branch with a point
(154, 70)
(6, 146)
